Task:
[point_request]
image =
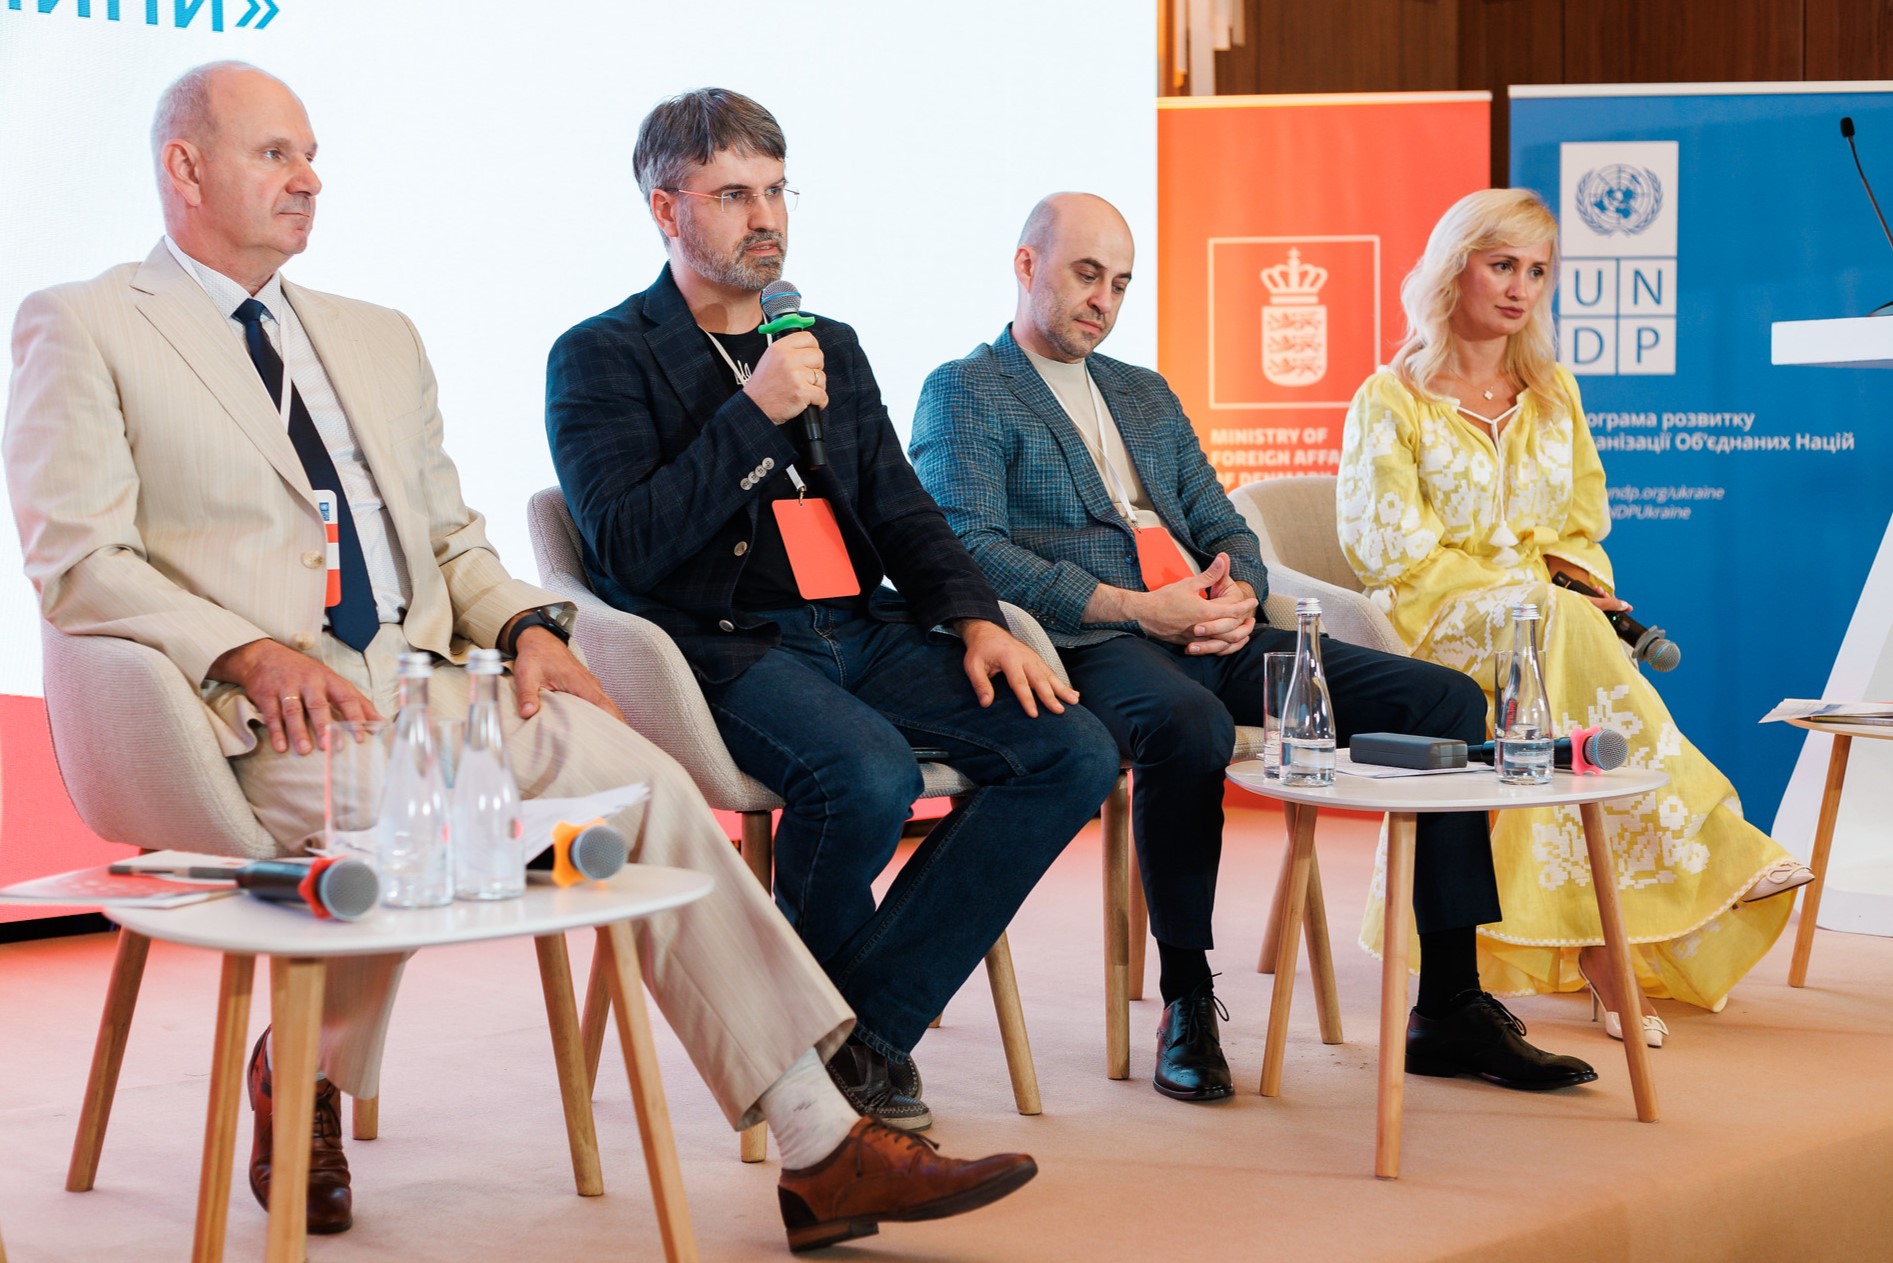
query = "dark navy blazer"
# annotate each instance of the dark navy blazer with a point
(665, 470)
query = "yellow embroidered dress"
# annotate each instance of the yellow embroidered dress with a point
(1447, 535)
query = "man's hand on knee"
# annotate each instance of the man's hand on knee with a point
(992, 650)
(296, 695)
(544, 663)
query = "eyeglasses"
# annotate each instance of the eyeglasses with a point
(776, 197)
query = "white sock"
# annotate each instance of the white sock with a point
(807, 1112)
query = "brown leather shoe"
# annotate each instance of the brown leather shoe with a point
(331, 1205)
(879, 1174)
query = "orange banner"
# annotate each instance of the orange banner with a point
(1284, 228)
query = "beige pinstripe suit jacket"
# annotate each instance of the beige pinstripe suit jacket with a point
(159, 498)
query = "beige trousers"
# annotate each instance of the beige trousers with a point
(729, 974)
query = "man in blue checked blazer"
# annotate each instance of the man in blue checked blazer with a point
(675, 425)
(1080, 487)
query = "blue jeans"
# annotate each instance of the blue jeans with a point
(829, 721)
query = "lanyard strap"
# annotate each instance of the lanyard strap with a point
(1101, 454)
(801, 489)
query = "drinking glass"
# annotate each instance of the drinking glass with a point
(1277, 670)
(355, 754)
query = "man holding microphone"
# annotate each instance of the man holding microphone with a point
(677, 428)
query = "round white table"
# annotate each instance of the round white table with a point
(1843, 735)
(299, 946)
(1403, 799)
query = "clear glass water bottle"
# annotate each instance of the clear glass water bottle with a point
(1308, 715)
(489, 861)
(412, 848)
(1523, 723)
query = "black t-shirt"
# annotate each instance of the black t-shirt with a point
(767, 581)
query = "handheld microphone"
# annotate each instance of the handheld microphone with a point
(332, 887)
(782, 306)
(1647, 644)
(1585, 750)
(587, 852)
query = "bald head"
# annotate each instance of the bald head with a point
(1073, 264)
(235, 157)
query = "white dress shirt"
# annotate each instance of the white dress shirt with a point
(387, 569)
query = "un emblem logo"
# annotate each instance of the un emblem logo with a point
(1619, 198)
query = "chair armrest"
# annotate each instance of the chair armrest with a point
(1027, 629)
(1345, 615)
(644, 672)
(137, 751)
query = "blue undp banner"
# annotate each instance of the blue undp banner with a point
(1747, 500)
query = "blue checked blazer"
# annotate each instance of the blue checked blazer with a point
(996, 449)
(654, 453)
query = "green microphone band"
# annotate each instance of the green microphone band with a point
(786, 324)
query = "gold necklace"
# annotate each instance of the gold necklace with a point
(1489, 391)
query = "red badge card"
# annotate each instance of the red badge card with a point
(1159, 558)
(817, 554)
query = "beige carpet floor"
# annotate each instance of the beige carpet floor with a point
(1776, 1140)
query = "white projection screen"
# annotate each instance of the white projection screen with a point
(477, 165)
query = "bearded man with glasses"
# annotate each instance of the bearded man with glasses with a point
(675, 427)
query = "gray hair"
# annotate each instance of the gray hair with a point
(690, 129)
(184, 111)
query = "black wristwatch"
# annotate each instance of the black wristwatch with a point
(541, 617)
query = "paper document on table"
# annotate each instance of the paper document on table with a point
(1820, 711)
(1345, 765)
(101, 888)
(538, 817)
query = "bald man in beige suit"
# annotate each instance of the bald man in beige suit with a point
(162, 496)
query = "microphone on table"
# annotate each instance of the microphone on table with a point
(332, 887)
(587, 852)
(1847, 131)
(1585, 750)
(782, 312)
(1647, 644)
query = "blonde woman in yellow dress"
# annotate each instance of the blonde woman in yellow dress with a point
(1468, 479)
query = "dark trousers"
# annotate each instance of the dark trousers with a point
(829, 721)
(1175, 716)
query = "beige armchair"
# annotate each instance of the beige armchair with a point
(137, 751)
(1293, 519)
(644, 672)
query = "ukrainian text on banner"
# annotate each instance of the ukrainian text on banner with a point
(1284, 227)
(1747, 500)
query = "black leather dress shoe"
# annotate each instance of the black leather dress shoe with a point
(872, 1086)
(1190, 1064)
(1480, 1036)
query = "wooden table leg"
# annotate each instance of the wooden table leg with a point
(1617, 944)
(1301, 845)
(1823, 843)
(568, 1054)
(1396, 932)
(108, 1054)
(295, 1023)
(759, 852)
(647, 1091)
(364, 1117)
(1272, 931)
(220, 1120)
(1005, 989)
(597, 1015)
(1321, 956)
(1116, 879)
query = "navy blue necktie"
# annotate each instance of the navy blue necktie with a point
(353, 620)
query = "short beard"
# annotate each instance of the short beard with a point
(737, 270)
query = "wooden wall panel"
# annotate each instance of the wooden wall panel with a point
(1343, 46)
(1849, 39)
(1502, 42)
(1417, 45)
(1681, 41)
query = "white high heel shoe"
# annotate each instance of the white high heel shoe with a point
(1654, 1031)
(1781, 877)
